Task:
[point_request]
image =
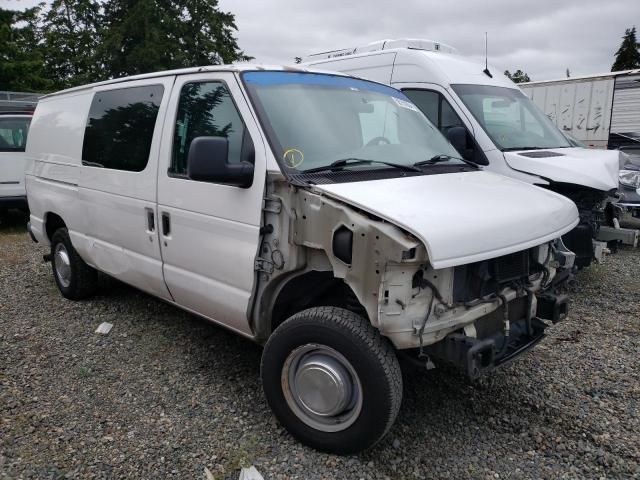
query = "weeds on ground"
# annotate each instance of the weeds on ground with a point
(84, 372)
(595, 273)
(241, 457)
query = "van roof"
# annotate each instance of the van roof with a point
(387, 44)
(434, 65)
(237, 67)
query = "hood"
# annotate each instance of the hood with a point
(580, 166)
(464, 217)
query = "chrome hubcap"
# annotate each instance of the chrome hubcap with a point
(322, 388)
(62, 264)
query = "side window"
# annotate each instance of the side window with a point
(206, 109)
(13, 133)
(448, 117)
(380, 122)
(427, 101)
(440, 112)
(120, 128)
(436, 109)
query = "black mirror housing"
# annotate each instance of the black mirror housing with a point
(208, 162)
(460, 139)
(457, 136)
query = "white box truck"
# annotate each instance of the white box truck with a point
(492, 123)
(599, 110)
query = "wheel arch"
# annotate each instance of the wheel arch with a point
(52, 222)
(307, 289)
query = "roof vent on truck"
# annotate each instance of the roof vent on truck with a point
(410, 43)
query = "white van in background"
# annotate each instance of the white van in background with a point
(492, 123)
(318, 214)
(14, 128)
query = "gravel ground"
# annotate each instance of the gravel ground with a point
(165, 394)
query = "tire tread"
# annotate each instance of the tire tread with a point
(375, 343)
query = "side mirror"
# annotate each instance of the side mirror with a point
(460, 138)
(208, 162)
(457, 136)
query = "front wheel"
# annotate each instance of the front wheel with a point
(332, 380)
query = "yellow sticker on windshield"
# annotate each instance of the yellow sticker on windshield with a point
(293, 158)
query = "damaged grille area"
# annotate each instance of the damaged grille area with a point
(479, 279)
(511, 267)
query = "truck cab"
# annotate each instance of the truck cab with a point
(492, 123)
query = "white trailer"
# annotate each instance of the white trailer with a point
(598, 110)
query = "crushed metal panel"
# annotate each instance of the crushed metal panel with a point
(375, 243)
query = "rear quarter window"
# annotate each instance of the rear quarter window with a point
(120, 128)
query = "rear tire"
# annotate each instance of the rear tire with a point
(75, 279)
(332, 380)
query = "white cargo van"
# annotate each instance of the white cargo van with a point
(308, 212)
(491, 122)
(14, 127)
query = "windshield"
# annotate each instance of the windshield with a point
(13, 133)
(510, 119)
(313, 120)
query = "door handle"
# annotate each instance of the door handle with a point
(151, 220)
(166, 224)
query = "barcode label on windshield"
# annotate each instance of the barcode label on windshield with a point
(405, 104)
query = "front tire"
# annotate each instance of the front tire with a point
(332, 380)
(75, 279)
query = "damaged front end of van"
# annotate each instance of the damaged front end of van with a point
(376, 238)
(475, 297)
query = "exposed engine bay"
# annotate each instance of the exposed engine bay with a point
(476, 315)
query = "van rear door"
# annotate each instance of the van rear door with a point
(210, 231)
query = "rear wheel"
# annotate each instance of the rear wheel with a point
(75, 279)
(332, 380)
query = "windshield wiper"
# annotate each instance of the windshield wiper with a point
(344, 162)
(443, 158)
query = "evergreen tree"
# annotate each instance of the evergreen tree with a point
(74, 42)
(148, 35)
(138, 37)
(518, 76)
(71, 33)
(21, 54)
(627, 56)
(208, 34)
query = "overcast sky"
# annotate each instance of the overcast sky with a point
(541, 37)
